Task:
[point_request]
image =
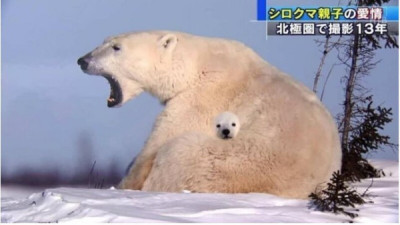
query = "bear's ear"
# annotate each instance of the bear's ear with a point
(167, 43)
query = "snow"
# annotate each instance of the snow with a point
(113, 205)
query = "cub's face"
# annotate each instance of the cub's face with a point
(129, 62)
(227, 125)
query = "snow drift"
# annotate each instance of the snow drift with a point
(101, 205)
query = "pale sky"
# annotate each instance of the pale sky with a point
(48, 102)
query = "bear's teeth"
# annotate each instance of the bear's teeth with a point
(111, 99)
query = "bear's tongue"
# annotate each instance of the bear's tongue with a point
(115, 92)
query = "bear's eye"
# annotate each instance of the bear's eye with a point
(218, 125)
(233, 124)
(116, 47)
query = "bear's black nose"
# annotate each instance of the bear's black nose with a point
(83, 63)
(225, 132)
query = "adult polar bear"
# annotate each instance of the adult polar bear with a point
(288, 143)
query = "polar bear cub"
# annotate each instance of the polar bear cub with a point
(227, 125)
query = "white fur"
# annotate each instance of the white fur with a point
(288, 142)
(227, 122)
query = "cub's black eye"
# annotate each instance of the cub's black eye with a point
(233, 124)
(116, 47)
(218, 125)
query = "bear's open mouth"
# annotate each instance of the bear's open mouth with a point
(115, 93)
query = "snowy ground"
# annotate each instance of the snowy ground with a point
(94, 205)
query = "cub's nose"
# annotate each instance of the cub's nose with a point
(225, 132)
(83, 63)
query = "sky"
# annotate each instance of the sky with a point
(48, 104)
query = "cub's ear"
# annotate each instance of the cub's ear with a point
(167, 44)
